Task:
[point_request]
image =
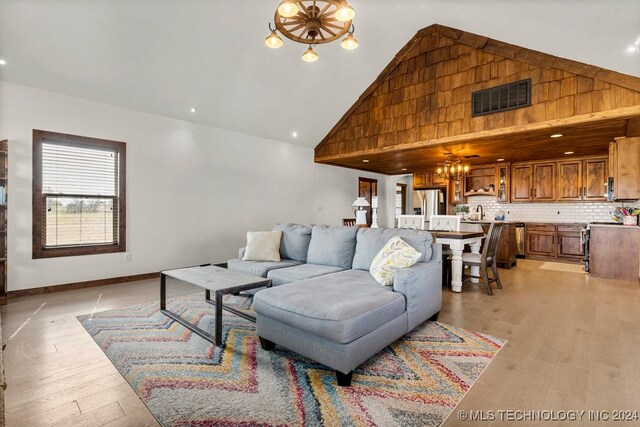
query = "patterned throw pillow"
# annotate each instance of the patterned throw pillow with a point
(396, 254)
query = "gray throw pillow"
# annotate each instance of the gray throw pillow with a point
(333, 246)
(295, 241)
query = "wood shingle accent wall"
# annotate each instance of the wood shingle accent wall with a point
(423, 96)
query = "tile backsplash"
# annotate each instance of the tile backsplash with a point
(547, 212)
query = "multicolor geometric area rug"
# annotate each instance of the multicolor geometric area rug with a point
(186, 381)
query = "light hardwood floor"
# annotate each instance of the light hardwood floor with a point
(573, 343)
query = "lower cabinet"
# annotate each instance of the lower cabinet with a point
(560, 242)
(570, 242)
(506, 257)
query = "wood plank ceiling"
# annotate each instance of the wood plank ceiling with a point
(418, 110)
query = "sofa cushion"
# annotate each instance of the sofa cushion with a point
(263, 246)
(283, 276)
(259, 268)
(371, 240)
(396, 254)
(295, 241)
(332, 246)
(340, 307)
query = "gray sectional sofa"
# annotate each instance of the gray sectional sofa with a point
(326, 306)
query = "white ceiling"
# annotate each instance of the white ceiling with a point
(165, 56)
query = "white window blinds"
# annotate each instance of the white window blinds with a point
(80, 194)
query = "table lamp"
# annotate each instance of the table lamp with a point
(361, 214)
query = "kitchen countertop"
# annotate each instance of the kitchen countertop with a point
(510, 221)
(616, 225)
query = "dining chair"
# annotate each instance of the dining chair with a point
(444, 222)
(349, 222)
(413, 222)
(486, 259)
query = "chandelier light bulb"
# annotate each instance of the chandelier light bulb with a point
(288, 9)
(439, 171)
(466, 168)
(349, 42)
(273, 40)
(345, 13)
(310, 55)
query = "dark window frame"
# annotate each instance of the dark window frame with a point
(40, 251)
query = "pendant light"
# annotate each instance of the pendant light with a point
(288, 9)
(273, 40)
(345, 13)
(349, 42)
(310, 55)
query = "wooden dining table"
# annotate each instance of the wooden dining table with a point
(457, 240)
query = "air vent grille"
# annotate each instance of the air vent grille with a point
(501, 98)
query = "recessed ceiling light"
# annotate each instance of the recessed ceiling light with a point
(294, 134)
(500, 160)
(193, 110)
(568, 152)
(3, 61)
(556, 135)
(365, 161)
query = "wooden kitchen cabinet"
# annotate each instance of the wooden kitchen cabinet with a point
(582, 179)
(562, 242)
(614, 252)
(426, 180)
(594, 179)
(521, 183)
(533, 182)
(624, 163)
(570, 242)
(570, 180)
(540, 240)
(544, 182)
(506, 257)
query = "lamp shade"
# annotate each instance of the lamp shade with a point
(361, 202)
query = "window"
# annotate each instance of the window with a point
(78, 195)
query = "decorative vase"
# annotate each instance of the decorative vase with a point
(630, 220)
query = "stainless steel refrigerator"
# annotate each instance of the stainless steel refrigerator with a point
(429, 202)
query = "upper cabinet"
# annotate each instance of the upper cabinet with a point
(426, 180)
(624, 164)
(582, 180)
(533, 182)
(521, 183)
(576, 179)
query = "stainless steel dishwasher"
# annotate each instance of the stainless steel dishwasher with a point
(520, 239)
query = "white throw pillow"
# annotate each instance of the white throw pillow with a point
(396, 254)
(263, 246)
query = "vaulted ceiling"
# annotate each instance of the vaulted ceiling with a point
(166, 56)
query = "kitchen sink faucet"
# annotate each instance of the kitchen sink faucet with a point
(481, 212)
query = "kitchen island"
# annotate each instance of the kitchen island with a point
(614, 251)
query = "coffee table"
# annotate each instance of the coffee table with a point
(216, 279)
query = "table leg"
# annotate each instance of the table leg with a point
(475, 271)
(218, 318)
(456, 267)
(163, 291)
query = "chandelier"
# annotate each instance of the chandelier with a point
(313, 22)
(453, 169)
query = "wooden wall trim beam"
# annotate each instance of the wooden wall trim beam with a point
(81, 285)
(627, 112)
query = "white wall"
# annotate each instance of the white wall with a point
(192, 191)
